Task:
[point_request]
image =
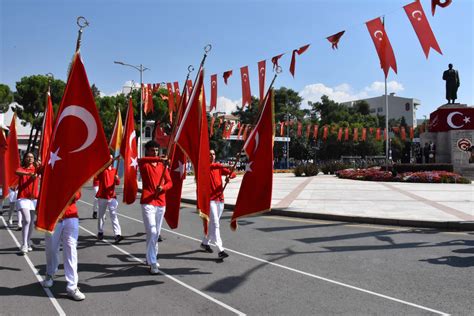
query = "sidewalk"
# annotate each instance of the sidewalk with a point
(446, 206)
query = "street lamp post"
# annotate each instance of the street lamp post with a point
(288, 140)
(141, 69)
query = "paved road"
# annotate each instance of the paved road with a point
(277, 265)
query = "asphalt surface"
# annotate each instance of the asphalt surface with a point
(277, 265)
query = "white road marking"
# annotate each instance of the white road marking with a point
(224, 305)
(36, 273)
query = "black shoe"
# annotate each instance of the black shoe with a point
(19, 228)
(94, 215)
(100, 236)
(207, 248)
(118, 239)
(159, 238)
(222, 254)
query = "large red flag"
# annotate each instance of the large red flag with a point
(78, 149)
(298, 51)
(47, 130)
(213, 92)
(334, 39)
(13, 155)
(246, 94)
(128, 150)
(193, 138)
(422, 27)
(261, 79)
(3, 164)
(255, 194)
(382, 45)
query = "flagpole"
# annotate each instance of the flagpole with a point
(82, 23)
(278, 71)
(386, 118)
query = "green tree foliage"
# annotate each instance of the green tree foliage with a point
(6, 97)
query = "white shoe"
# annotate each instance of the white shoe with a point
(30, 248)
(76, 295)
(24, 249)
(48, 281)
(154, 268)
(10, 223)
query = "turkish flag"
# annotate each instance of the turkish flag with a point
(346, 134)
(226, 75)
(403, 133)
(435, 3)
(412, 133)
(422, 27)
(355, 134)
(78, 149)
(47, 130)
(382, 45)
(128, 150)
(213, 120)
(275, 60)
(177, 93)
(308, 130)
(364, 134)
(147, 93)
(193, 138)
(189, 84)
(325, 132)
(255, 194)
(377, 134)
(298, 51)
(171, 107)
(261, 79)
(3, 164)
(12, 155)
(299, 130)
(339, 134)
(334, 39)
(246, 94)
(160, 136)
(315, 132)
(213, 92)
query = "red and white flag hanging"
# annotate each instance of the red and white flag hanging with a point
(261, 79)
(246, 94)
(382, 45)
(275, 61)
(339, 134)
(422, 27)
(189, 85)
(334, 39)
(298, 51)
(308, 130)
(129, 153)
(226, 75)
(177, 93)
(377, 134)
(315, 131)
(364, 134)
(346, 134)
(325, 132)
(213, 92)
(299, 129)
(171, 107)
(355, 134)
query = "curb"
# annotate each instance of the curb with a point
(450, 225)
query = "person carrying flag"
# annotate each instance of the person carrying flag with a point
(153, 199)
(217, 206)
(66, 233)
(107, 199)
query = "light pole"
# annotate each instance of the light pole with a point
(288, 140)
(141, 69)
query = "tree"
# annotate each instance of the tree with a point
(6, 97)
(95, 91)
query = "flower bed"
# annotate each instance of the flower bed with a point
(376, 174)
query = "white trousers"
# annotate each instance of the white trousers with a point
(112, 205)
(66, 232)
(27, 209)
(152, 219)
(214, 232)
(95, 205)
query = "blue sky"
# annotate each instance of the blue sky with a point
(38, 37)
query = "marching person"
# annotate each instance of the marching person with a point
(12, 196)
(107, 199)
(95, 185)
(153, 199)
(66, 233)
(27, 195)
(217, 206)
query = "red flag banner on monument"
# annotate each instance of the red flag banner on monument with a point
(334, 39)
(129, 152)
(261, 79)
(246, 94)
(435, 3)
(213, 92)
(192, 136)
(275, 60)
(3, 164)
(78, 149)
(47, 129)
(255, 194)
(298, 51)
(382, 45)
(422, 27)
(226, 75)
(13, 155)
(447, 119)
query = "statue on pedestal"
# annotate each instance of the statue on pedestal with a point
(451, 77)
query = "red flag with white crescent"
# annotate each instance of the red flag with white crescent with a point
(211, 132)
(261, 79)
(47, 129)
(129, 152)
(334, 39)
(298, 51)
(213, 92)
(246, 94)
(78, 149)
(382, 45)
(13, 155)
(255, 194)
(422, 27)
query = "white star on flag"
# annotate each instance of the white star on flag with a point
(180, 168)
(134, 162)
(467, 119)
(53, 158)
(248, 168)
